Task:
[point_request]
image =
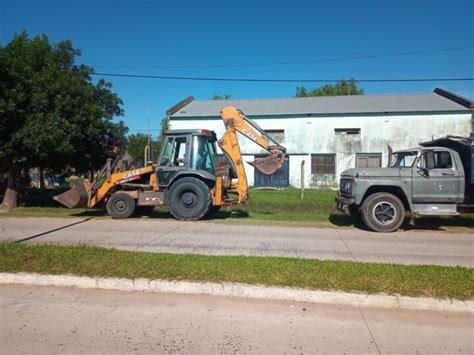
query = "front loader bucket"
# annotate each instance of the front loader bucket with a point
(76, 196)
(268, 165)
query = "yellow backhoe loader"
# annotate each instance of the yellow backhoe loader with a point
(187, 177)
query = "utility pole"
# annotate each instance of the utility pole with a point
(302, 180)
(148, 152)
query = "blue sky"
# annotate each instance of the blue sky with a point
(170, 33)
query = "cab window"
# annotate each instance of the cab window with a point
(203, 154)
(404, 159)
(174, 152)
(438, 160)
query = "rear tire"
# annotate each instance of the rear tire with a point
(383, 212)
(120, 205)
(189, 199)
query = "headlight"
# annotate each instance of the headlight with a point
(346, 186)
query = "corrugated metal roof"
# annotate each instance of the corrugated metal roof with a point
(356, 104)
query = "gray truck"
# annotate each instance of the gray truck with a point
(434, 179)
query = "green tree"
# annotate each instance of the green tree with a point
(223, 97)
(51, 114)
(135, 145)
(343, 87)
(165, 123)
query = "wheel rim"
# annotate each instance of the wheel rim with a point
(188, 199)
(384, 213)
(120, 206)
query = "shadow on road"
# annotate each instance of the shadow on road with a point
(423, 223)
(91, 213)
(345, 220)
(52, 230)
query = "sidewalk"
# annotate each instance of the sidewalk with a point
(58, 320)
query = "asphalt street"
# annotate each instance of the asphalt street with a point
(210, 238)
(45, 320)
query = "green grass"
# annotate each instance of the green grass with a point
(411, 280)
(317, 205)
(278, 207)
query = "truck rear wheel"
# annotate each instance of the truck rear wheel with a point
(120, 205)
(189, 199)
(383, 212)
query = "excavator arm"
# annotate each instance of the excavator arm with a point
(235, 121)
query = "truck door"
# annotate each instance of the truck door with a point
(173, 158)
(435, 178)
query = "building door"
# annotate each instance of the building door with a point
(280, 179)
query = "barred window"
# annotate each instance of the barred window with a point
(323, 164)
(368, 160)
(278, 135)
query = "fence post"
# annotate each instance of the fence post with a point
(302, 179)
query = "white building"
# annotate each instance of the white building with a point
(333, 133)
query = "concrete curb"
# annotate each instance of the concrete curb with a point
(241, 290)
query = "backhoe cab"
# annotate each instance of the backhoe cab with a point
(187, 177)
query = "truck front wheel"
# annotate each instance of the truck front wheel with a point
(383, 212)
(120, 205)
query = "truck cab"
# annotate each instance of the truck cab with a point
(187, 152)
(428, 180)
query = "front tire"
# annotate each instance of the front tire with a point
(189, 199)
(120, 205)
(383, 212)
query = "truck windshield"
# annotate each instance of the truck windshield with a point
(203, 156)
(403, 159)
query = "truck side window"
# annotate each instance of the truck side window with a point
(174, 152)
(167, 152)
(442, 160)
(179, 151)
(429, 159)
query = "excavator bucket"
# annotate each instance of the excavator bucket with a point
(268, 165)
(76, 196)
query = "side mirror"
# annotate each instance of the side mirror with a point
(420, 168)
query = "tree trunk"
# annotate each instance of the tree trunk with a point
(41, 177)
(10, 200)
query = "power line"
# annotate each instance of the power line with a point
(279, 80)
(321, 60)
(144, 130)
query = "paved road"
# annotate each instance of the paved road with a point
(61, 320)
(230, 239)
